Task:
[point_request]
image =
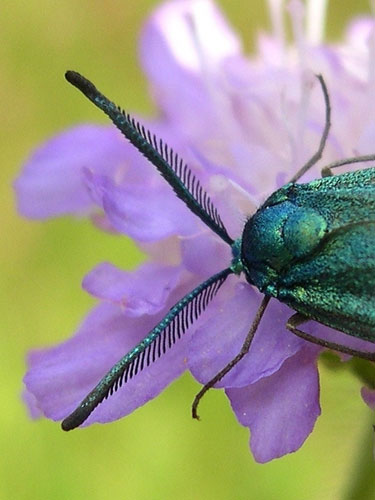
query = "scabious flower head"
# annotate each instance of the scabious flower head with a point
(244, 125)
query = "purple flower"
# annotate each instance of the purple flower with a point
(244, 125)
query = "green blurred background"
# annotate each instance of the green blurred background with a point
(158, 452)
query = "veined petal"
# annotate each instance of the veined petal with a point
(147, 214)
(136, 291)
(32, 404)
(280, 410)
(182, 47)
(217, 341)
(197, 252)
(60, 377)
(52, 181)
(177, 36)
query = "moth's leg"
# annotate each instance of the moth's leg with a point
(316, 157)
(298, 319)
(244, 350)
(327, 170)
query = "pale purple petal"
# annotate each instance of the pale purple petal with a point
(147, 214)
(101, 221)
(230, 192)
(358, 33)
(140, 292)
(166, 251)
(331, 335)
(218, 340)
(280, 410)
(60, 377)
(198, 252)
(177, 36)
(177, 42)
(233, 203)
(368, 396)
(52, 182)
(32, 404)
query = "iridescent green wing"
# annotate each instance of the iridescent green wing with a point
(340, 199)
(335, 284)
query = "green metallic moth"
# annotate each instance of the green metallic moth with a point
(310, 246)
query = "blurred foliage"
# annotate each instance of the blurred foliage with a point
(158, 452)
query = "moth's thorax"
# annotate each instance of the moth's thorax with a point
(279, 234)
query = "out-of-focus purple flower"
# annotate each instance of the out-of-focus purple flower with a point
(244, 125)
(368, 396)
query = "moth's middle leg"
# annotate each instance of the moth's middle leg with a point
(298, 319)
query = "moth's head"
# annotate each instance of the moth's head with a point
(263, 244)
(277, 236)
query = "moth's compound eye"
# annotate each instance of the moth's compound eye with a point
(303, 231)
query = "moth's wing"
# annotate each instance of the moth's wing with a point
(340, 199)
(336, 285)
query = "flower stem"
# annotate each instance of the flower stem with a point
(361, 483)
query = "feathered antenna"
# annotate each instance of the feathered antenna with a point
(174, 170)
(156, 343)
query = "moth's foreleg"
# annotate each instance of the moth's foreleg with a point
(298, 319)
(244, 350)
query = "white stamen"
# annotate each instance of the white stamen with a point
(297, 15)
(316, 11)
(276, 9)
(371, 58)
(371, 64)
(288, 129)
(221, 106)
(177, 33)
(371, 49)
